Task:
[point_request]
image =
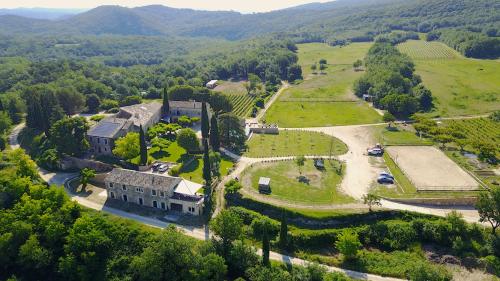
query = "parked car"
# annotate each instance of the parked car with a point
(375, 151)
(156, 166)
(163, 168)
(385, 180)
(387, 175)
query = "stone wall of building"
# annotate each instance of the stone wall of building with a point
(73, 163)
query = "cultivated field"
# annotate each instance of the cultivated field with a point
(480, 129)
(324, 99)
(317, 186)
(431, 170)
(460, 86)
(293, 143)
(237, 94)
(418, 49)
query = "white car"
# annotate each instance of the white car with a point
(375, 151)
(163, 168)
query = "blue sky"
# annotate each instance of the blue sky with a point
(246, 6)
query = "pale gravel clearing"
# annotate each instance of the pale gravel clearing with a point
(428, 168)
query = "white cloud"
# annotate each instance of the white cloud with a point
(237, 5)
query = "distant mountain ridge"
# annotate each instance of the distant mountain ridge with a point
(41, 13)
(315, 21)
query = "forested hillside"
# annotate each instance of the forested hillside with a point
(333, 21)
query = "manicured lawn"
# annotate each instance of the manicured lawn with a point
(324, 99)
(193, 170)
(400, 135)
(319, 114)
(460, 86)
(321, 188)
(291, 142)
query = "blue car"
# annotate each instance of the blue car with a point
(385, 180)
(387, 175)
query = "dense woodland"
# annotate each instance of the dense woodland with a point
(338, 22)
(44, 233)
(391, 83)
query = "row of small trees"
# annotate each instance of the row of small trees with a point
(322, 66)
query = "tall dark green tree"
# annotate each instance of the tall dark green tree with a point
(205, 126)
(265, 248)
(214, 134)
(1, 106)
(207, 175)
(283, 231)
(144, 149)
(166, 105)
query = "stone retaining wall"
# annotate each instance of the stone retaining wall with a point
(465, 201)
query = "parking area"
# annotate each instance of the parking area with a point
(429, 169)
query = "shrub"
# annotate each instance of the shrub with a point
(348, 244)
(97, 117)
(426, 272)
(130, 100)
(113, 110)
(492, 264)
(175, 171)
(258, 226)
(109, 104)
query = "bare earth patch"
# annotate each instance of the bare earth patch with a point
(430, 169)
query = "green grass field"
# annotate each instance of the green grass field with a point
(319, 114)
(399, 135)
(321, 188)
(460, 86)
(312, 52)
(335, 85)
(293, 143)
(324, 99)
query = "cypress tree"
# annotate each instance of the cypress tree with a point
(144, 149)
(214, 134)
(283, 231)
(207, 175)
(1, 106)
(205, 126)
(166, 105)
(265, 248)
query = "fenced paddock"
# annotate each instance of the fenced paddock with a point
(429, 169)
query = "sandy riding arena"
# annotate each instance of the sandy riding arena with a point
(430, 169)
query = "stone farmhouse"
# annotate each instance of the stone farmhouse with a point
(155, 190)
(187, 108)
(102, 136)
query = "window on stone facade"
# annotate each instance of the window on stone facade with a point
(98, 140)
(153, 192)
(162, 194)
(105, 141)
(155, 204)
(163, 205)
(112, 194)
(125, 198)
(141, 201)
(139, 189)
(191, 209)
(110, 184)
(124, 188)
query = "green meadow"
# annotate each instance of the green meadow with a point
(324, 98)
(460, 86)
